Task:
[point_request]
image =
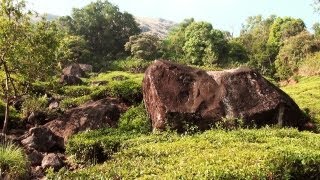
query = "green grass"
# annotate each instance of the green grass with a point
(124, 85)
(216, 154)
(13, 163)
(306, 94)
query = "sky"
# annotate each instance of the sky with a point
(226, 15)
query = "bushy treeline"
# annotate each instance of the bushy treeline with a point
(276, 46)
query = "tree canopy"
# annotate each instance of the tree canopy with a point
(103, 26)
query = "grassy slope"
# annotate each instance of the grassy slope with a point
(215, 154)
(239, 154)
(306, 93)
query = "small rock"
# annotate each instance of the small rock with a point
(70, 80)
(36, 118)
(53, 105)
(37, 172)
(35, 158)
(52, 160)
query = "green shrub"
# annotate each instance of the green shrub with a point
(13, 163)
(135, 120)
(130, 65)
(95, 146)
(122, 85)
(129, 91)
(74, 102)
(307, 95)
(76, 91)
(14, 114)
(310, 66)
(215, 154)
(34, 104)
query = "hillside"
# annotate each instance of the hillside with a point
(158, 27)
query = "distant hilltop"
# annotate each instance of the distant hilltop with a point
(156, 26)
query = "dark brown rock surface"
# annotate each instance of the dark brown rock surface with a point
(74, 70)
(42, 139)
(176, 95)
(89, 116)
(70, 80)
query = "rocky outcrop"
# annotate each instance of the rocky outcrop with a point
(71, 74)
(52, 160)
(91, 115)
(70, 80)
(73, 70)
(42, 139)
(177, 96)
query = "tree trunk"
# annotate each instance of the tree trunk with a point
(6, 115)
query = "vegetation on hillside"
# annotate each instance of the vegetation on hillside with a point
(32, 55)
(267, 153)
(306, 93)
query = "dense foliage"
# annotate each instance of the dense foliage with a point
(103, 27)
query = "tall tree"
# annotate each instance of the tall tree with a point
(144, 46)
(174, 42)
(294, 50)
(283, 28)
(204, 45)
(254, 37)
(27, 49)
(103, 26)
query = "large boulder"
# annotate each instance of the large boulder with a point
(73, 70)
(177, 96)
(91, 115)
(70, 80)
(42, 139)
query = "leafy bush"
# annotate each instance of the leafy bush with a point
(216, 154)
(310, 66)
(13, 163)
(95, 146)
(76, 91)
(130, 65)
(34, 104)
(135, 120)
(122, 85)
(74, 102)
(307, 95)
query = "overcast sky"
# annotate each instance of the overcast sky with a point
(223, 14)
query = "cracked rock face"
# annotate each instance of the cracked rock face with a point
(176, 95)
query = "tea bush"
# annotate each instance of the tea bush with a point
(130, 65)
(135, 120)
(306, 94)
(267, 153)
